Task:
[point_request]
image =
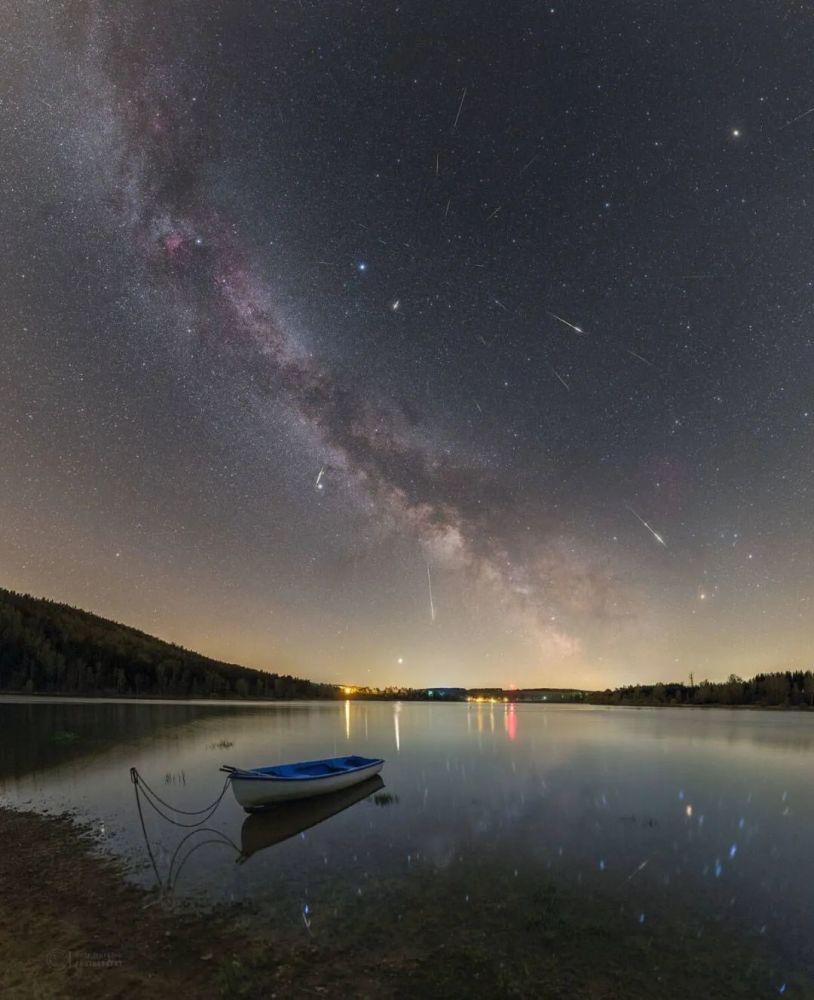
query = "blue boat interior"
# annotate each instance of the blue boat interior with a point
(316, 768)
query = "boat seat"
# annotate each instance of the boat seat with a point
(313, 769)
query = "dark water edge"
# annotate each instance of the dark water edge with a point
(43, 734)
(465, 930)
(487, 930)
(417, 696)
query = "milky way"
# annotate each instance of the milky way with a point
(455, 512)
(310, 308)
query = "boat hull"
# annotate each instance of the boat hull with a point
(255, 790)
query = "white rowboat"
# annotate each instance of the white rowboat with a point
(259, 787)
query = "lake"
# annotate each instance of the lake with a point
(659, 815)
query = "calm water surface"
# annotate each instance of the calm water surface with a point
(708, 810)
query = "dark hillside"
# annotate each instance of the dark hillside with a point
(47, 647)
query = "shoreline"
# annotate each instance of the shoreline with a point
(22, 697)
(72, 924)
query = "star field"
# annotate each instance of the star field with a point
(396, 344)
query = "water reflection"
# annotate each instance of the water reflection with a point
(510, 721)
(654, 807)
(262, 830)
(259, 831)
(38, 734)
(191, 843)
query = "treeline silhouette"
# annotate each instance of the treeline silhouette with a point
(788, 688)
(47, 647)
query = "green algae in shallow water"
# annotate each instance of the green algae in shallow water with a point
(385, 799)
(64, 736)
(479, 931)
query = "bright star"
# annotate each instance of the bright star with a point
(736, 133)
(361, 266)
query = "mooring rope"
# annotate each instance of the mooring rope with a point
(134, 778)
(141, 786)
(217, 838)
(137, 780)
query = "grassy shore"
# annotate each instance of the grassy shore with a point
(71, 925)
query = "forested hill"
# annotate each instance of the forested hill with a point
(48, 647)
(782, 689)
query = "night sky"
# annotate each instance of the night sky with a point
(414, 343)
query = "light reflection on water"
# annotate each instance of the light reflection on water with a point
(711, 807)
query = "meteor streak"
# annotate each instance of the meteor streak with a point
(633, 354)
(460, 106)
(557, 374)
(655, 534)
(798, 118)
(429, 586)
(576, 329)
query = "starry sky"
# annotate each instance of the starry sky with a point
(414, 343)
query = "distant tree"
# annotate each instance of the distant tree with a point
(777, 689)
(733, 690)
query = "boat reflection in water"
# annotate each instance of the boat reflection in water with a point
(260, 830)
(278, 823)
